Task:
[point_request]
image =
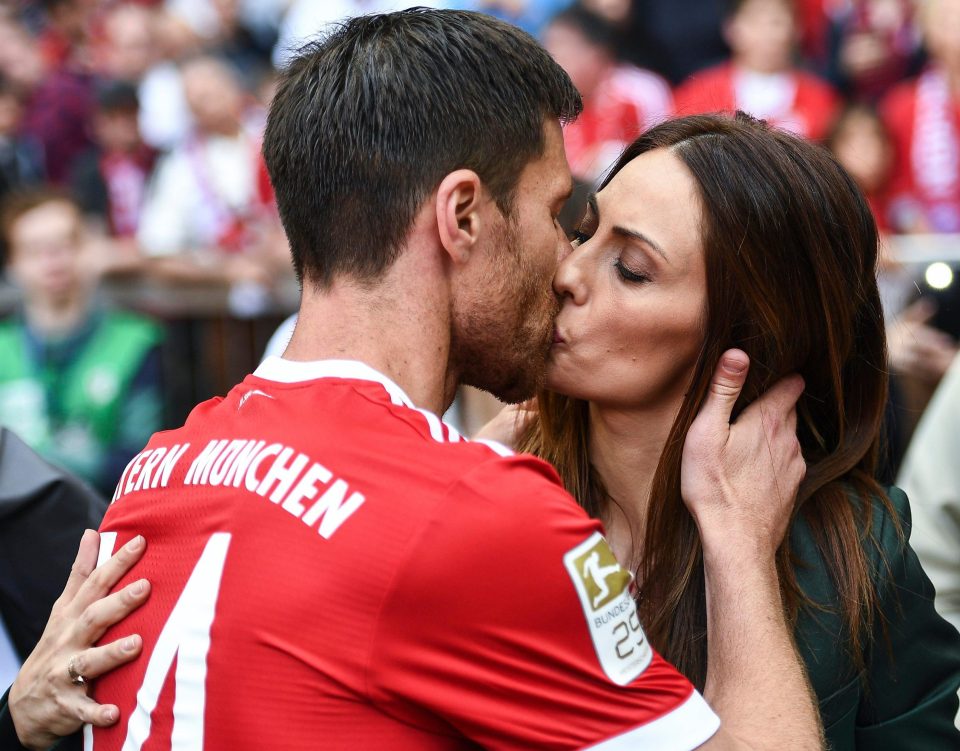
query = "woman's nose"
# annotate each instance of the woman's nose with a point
(569, 280)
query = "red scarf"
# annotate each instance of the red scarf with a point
(935, 152)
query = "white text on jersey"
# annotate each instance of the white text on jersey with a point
(271, 470)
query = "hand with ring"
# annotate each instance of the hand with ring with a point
(76, 678)
(49, 698)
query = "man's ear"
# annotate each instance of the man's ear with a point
(460, 197)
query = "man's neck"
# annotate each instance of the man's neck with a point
(403, 335)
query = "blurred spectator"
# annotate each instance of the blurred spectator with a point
(612, 11)
(917, 350)
(761, 78)
(529, 15)
(65, 33)
(109, 181)
(227, 29)
(129, 48)
(658, 35)
(873, 45)
(208, 204)
(931, 476)
(861, 143)
(620, 101)
(43, 512)
(306, 19)
(79, 383)
(57, 101)
(923, 116)
(21, 158)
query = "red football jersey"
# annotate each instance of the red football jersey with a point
(334, 568)
(796, 101)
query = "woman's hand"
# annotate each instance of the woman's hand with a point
(740, 480)
(46, 701)
(509, 424)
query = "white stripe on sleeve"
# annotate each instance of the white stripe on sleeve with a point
(688, 726)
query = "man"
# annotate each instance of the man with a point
(388, 584)
(79, 383)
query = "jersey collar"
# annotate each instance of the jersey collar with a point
(290, 371)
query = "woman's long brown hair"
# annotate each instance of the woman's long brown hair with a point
(790, 252)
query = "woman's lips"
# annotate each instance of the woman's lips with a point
(557, 339)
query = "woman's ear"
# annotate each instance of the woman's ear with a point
(460, 196)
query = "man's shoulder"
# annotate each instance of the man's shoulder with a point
(503, 501)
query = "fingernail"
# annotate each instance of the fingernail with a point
(139, 587)
(135, 544)
(128, 644)
(734, 367)
(111, 714)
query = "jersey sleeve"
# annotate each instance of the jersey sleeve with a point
(510, 622)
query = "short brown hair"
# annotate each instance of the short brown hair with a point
(367, 121)
(20, 202)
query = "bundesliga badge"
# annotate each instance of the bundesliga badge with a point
(604, 590)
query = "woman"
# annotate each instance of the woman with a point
(713, 233)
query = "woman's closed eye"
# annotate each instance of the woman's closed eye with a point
(630, 275)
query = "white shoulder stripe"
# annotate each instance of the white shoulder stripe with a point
(290, 371)
(435, 425)
(495, 446)
(687, 727)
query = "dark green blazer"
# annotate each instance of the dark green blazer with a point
(907, 697)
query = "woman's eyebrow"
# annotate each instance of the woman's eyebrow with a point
(625, 232)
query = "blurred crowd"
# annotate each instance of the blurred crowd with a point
(130, 148)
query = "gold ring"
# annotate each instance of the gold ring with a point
(75, 678)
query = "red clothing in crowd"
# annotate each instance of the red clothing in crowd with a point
(57, 114)
(629, 102)
(923, 118)
(813, 20)
(126, 177)
(796, 101)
